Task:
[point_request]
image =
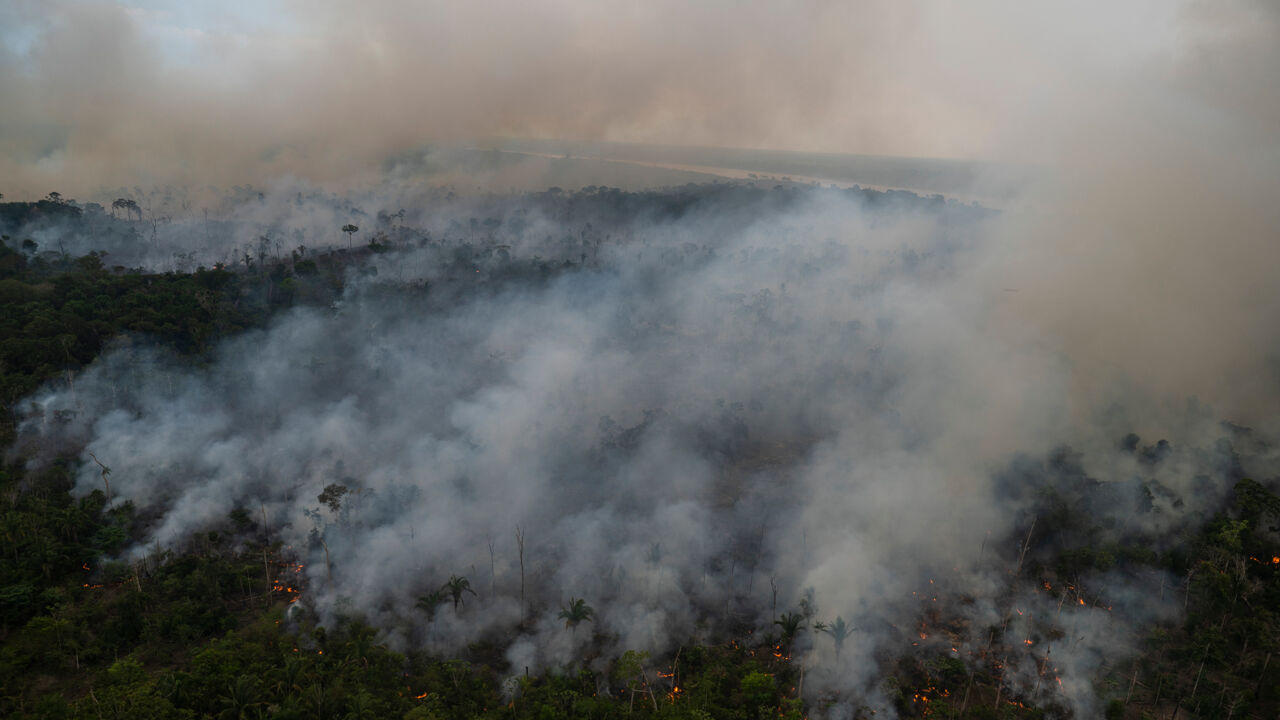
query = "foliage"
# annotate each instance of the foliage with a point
(200, 630)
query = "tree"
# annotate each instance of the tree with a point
(350, 230)
(332, 496)
(429, 602)
(241, 695)
(456, 587)
(105, 472)
(630, 668)
(839, 632)
(130, 207)
(791, 624)
(575, 612)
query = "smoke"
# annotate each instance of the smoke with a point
(766, 401)
(732, 396)
(99, 94)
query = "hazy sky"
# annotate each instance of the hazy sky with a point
(95, 92)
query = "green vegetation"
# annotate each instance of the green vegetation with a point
(212, 629)
(60, 313)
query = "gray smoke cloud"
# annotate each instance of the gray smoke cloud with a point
(777, 399)
(97, 94)
(815, 393)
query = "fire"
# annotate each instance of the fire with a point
(1029, 641)
(85, 566)
(922, 697)
(419, 697)
(1081, 600)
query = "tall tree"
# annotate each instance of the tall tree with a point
(791, 625)
(838, 630)
(575, 612)
(429, 602)
(457, 586)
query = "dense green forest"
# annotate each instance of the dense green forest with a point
(215, 630)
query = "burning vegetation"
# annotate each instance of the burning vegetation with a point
(485, 466)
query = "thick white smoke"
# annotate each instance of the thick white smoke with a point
(707, 416)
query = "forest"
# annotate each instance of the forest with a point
(725, 450)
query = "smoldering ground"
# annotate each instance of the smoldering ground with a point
(743, 402)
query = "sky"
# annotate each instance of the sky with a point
(96, 93)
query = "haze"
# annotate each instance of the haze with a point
(840, 389)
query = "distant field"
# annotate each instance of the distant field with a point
(958, 178)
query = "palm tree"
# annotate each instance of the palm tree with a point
(456, 587)
(241, 694)
(429, 602)
(288, 679)
(361, 644)
(576, 611)
(350, 230)
(791, 624)
(839, 632)
(318, 701)
(360, 706)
